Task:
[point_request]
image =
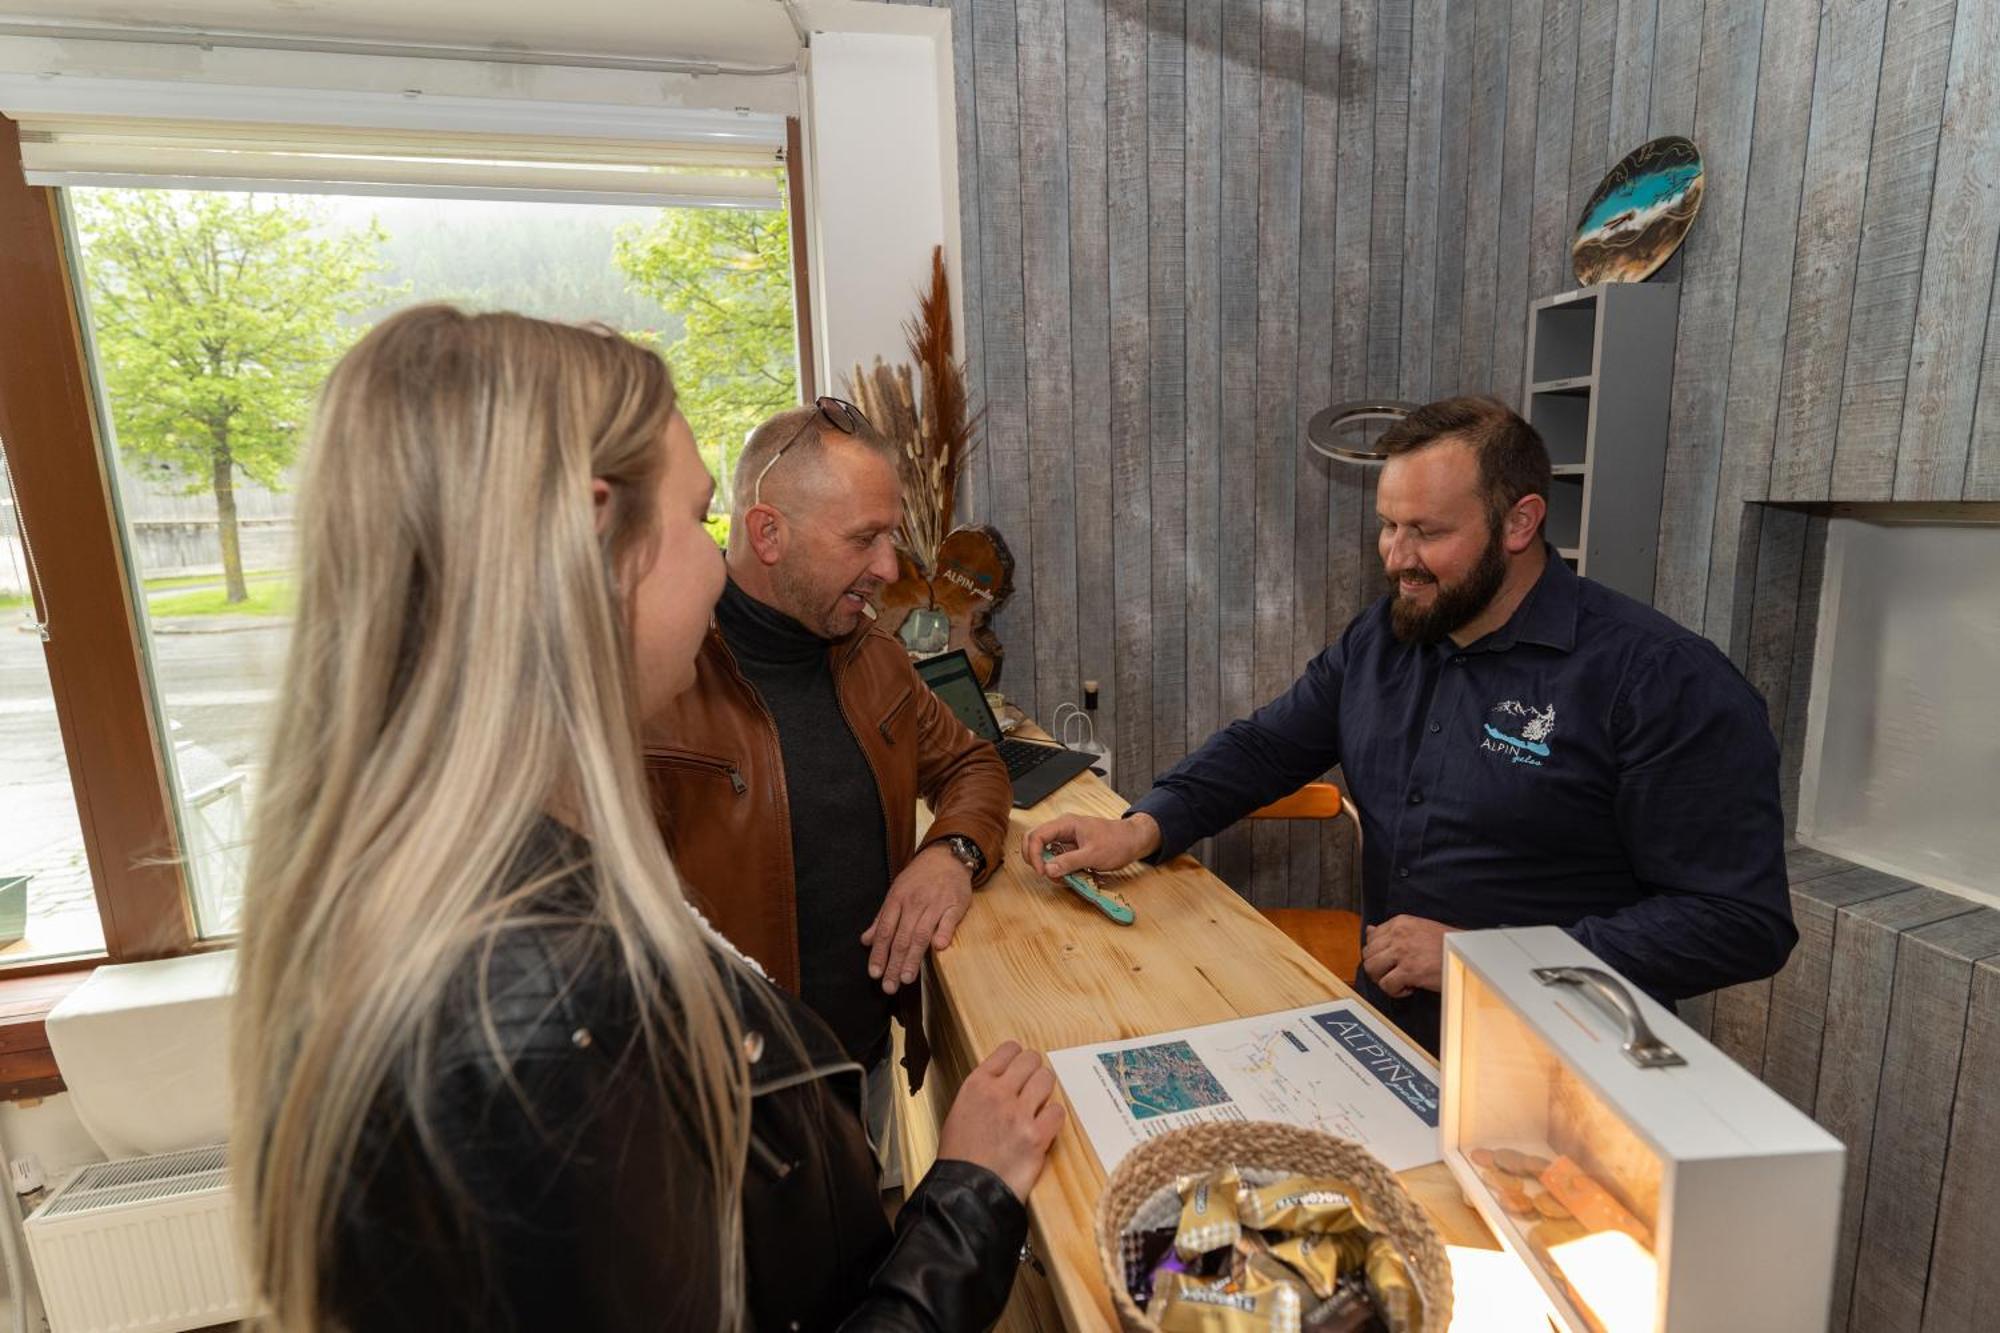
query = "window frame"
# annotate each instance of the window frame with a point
(49, 413)
(103, 696)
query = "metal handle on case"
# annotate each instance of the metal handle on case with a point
(1642, 1048)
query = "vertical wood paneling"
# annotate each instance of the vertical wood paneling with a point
(1678, 50)
(1386, 215)
(1895, 217)
(1912, 1124)
(1045, 220)
(1776, 564)
(1166, 151)
(1965, 1282)
(1090, 359)
(1763, 300)
(1279, 133)
(1422, 236)
(1846, 69)
(1127, 181)
(1353, 223)
(1549, 225)
(1591, 129)
(1319, 79)
(1242, 35)
(1454, 178)
(1792, 735)
(1982, 464)
(1517, 179)
(1958, 269)
(1726, 100)
(1005, 429)
(976, 486)
(1799, 991)
(1628, 66)
(1482, 195)
(1204, 370)
(1856, 1046)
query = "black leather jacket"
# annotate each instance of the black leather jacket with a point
(584, 1187)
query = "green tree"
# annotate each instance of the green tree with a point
(217, 315)
(727, 272)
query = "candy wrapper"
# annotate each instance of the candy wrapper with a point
(1209, 1219)
(1186, 1304)
(1391, 1288)
(1303, 1203)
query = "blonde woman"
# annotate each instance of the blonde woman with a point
(491, 1070)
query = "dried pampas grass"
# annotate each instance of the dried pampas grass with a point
(934, 429)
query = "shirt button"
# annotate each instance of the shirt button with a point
(1435, 728)
(1416, 798)
(1402, 872)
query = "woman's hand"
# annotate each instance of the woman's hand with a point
(1005, 1117)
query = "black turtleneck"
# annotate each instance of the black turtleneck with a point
(840, 847)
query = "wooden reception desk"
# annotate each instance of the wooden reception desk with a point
(1035, 963)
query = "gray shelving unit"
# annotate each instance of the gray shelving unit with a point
(1600, 369)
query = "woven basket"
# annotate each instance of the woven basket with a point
(1282, 1149)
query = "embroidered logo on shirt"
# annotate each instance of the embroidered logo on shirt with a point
(1519, 731)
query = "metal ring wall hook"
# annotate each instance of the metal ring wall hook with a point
(1323, 431)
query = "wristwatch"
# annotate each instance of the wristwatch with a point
(967, 851)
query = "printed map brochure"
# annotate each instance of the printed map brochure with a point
(1332, 1066)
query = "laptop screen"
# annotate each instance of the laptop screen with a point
(950, 677)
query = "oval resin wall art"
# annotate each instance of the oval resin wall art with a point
(1639, 214)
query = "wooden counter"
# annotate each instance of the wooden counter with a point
(1035, 963)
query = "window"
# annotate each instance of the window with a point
(47, 908)
(208, 317)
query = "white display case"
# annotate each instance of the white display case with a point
(1649, 1183)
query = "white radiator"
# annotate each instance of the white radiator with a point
(143, 1245)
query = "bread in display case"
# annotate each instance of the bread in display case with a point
(1650, 1183)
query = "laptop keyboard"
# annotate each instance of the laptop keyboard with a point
(1020, 756)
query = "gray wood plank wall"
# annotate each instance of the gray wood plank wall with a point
(1188, 224)
(1191, 223)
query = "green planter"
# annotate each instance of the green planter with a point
(13, 908)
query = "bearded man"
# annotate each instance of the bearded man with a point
(1525, 747)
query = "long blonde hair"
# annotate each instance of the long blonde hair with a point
(459, 667)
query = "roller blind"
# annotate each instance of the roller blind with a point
(88, 150)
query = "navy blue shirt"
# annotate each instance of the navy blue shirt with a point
(1590, 764)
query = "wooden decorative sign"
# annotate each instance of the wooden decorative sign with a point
(973, 579)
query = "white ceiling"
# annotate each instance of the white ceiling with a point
(754, 32)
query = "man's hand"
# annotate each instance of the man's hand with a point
(1404, 954)
(922, 911)
(1094, 844)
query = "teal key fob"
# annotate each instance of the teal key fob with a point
(1080, 883)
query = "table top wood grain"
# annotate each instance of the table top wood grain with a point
(1034, 963)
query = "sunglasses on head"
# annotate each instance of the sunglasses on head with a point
(842, 415)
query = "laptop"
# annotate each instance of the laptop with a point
(1035, 769)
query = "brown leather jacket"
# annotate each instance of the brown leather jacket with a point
(718, 788)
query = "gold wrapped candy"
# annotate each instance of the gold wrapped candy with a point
(1391, 1289)
(1321, 1259)
(1303, 1203)
(1184, 1303)
(1209, 1219)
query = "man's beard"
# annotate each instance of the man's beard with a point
(1456, 604)
(809, 605)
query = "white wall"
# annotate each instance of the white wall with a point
(884, 186)
(1902, 757)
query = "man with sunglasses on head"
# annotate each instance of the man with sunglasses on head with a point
(786, 779)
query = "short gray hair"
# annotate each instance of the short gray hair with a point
(811, 431)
